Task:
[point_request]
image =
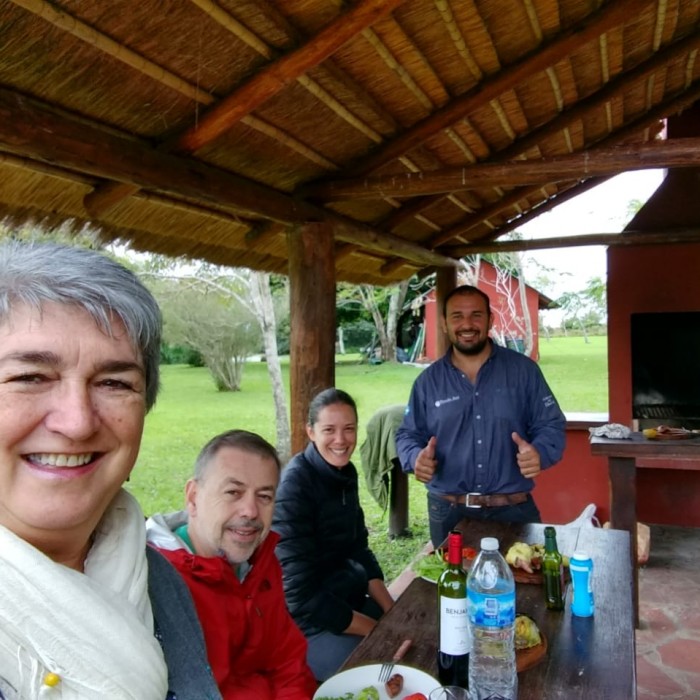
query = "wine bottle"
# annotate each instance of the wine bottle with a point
(552, 571)
(453, 621)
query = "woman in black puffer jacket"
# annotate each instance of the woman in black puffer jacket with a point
(333, 584)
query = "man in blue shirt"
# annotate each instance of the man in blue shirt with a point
(480, 425)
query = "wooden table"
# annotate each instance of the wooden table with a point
(623, 456)
(587, 657)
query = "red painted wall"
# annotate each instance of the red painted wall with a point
(643, 279)
(564, 490)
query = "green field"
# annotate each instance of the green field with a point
(190, 411)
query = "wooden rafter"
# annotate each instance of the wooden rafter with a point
(270, 80)
(559, 198)
(679, 153)
(31, 130)
(628, 238)
(238, 105)
(610, 16)
(670, 106)
(613, 90)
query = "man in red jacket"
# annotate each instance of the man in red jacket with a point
(223, 547)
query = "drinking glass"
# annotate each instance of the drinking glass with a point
(449, 692)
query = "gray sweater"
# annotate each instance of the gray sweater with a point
(179, 633)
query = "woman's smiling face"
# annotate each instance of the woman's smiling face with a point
(335, 433)
(72, 407)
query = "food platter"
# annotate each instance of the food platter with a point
(672, 436)
(353, 680)
(525, 659)
(666, 432)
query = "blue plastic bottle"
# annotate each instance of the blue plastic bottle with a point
(581, 567)
(491, 606)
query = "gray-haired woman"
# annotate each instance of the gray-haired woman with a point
(86, 610)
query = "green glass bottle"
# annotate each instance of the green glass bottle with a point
(552, 571)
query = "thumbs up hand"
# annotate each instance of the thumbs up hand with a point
(426, 464)
(528, 457)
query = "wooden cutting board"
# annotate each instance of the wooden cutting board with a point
(527, 658)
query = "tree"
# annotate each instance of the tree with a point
(574, 306)
(222, 330)
(251, 293)
(595, 294)
(383, 305)
(586, 307)
(262, 300)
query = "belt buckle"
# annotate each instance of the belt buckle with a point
(471, 505)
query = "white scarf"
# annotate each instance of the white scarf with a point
(93, 630)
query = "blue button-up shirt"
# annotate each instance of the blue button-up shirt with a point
(473, 423)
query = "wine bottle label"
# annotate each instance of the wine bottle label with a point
(455, 637)
(488, 610)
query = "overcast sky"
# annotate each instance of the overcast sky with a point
(603, 209)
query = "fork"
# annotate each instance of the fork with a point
(388, 667)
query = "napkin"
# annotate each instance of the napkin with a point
(611, 430)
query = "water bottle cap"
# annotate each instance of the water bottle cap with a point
(581, 554)
(489, 544)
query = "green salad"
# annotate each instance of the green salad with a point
(369, 693)
(431, 566)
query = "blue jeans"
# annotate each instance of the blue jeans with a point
(327, 651)
(443, 515)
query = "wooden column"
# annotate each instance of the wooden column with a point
(398, 501)
(445, 282)
(312, 320)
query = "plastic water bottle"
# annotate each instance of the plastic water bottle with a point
(491, 605)
(581, 568)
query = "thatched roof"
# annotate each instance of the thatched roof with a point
(207, 129)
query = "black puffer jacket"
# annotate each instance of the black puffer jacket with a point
(323, 543)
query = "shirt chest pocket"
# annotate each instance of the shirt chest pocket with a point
(505, 403)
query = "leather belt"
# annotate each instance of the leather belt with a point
(485, 500)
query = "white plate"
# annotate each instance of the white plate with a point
(355, 679)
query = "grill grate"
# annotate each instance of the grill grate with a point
(666, 411)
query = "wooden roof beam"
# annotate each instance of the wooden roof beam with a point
(554, 201)
(262, 233)
(678, 153)
(31, 130)
(610, 16)
(660, 111)
(261, 87)
(275, 77)
(626, 238)
(614, 89)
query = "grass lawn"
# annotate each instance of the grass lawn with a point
(189, 411)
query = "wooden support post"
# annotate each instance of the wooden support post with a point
(623, 513)
(312, 318)
(398, 501)
(445, 282)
